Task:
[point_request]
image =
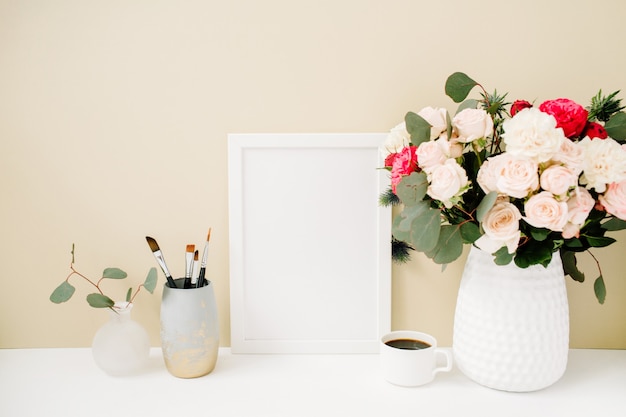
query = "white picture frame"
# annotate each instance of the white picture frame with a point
(310, 247)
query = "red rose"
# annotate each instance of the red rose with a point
(389, 160)
(595, 130)
(519, 105)
(404, 163)
(570, 116)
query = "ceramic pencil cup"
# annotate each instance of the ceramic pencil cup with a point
(189, 329)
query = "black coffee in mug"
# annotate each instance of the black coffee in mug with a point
(408, 344)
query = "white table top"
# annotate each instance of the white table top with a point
(66, 382)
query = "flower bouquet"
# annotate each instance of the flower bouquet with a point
(519, 181)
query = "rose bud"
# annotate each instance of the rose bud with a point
(519, 105)
(595, 130)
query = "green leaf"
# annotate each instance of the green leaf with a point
(599, 241)
(458, 86)
(62, 293)
(425, 230)
(600, 289)
(418, 128)
(449, 245)
(412, 188)
(503, 257)
(485, 205)
(151, 280)
(616, 126)
(539, 234)
(614, 224)
(114, 273)
(467, 104)
(570, 266)
(129, 294)
(99, 301)
(470, 232)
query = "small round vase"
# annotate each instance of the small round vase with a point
(121, 346)
(511, 324)
(189, 330)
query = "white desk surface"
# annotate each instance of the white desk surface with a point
(66, 382)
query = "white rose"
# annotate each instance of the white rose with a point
(501, 226)
(447, 181)
(430, 155)
(558, 179)
(533, 134)
(515, 177)
(579, 206)
(437, 118)
(571, 155)
(472, 124)
(452, 148)
(543, 210)
(487, 176)
(397, 139)
(614, 199)
(604, 163)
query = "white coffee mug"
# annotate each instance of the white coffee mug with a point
(414, 362)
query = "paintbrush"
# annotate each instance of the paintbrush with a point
(194, 271)
(154, 247)
(189, 264)
(205, 255)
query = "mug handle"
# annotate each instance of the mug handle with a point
(448, 357)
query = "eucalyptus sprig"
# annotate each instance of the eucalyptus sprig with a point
(98, 299)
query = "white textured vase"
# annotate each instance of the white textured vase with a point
(511, 325)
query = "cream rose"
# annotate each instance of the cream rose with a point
(558, 180)
(437, 118)
(614, 199)
(579, 206)
(501, 226)
(543, 210)
(571, 155)
(532, 134)
(472, 124)
(397, 139)
(515, 177)
(603, 164)
(430, 155)
(487, 176)
(447, 181)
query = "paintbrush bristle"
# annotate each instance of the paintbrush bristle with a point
(195, 255)
(208, 236)
(154, 246)
(191, 248)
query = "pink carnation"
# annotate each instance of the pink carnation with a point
(404, 163)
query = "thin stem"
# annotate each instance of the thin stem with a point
(75, 272)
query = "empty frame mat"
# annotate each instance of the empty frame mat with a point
(309, 244)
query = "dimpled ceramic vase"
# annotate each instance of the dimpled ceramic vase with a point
(511, 325)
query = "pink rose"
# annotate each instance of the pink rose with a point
(558, 179)
(501, 225)
(437, 118)
(447, 181)
(515, 177)
(579, 206)
(472, 124)
(543, 210)
(570, 116)
(572, 155)
(404, 163)
(430, 154)
(519, 105)
(595, 130)
(614, 199)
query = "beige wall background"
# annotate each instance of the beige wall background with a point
(114, 118)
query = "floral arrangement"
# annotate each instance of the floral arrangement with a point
(519, 181)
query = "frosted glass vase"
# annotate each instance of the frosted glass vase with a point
(511, 324)
(121, 346)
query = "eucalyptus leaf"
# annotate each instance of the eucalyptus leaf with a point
(467, 104)
(400, 228)
(151, 280)
(99, 301)
(114, 273)
(425, 230)
(502, 256)
(600, 289)
(539, 234)
(616, 126)
(570, 266)
(458, 86)
(412, 188)
(470, 232)
(449, 245)
(129, 294)
(485, 205)
(418, 128)
(62, 293)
